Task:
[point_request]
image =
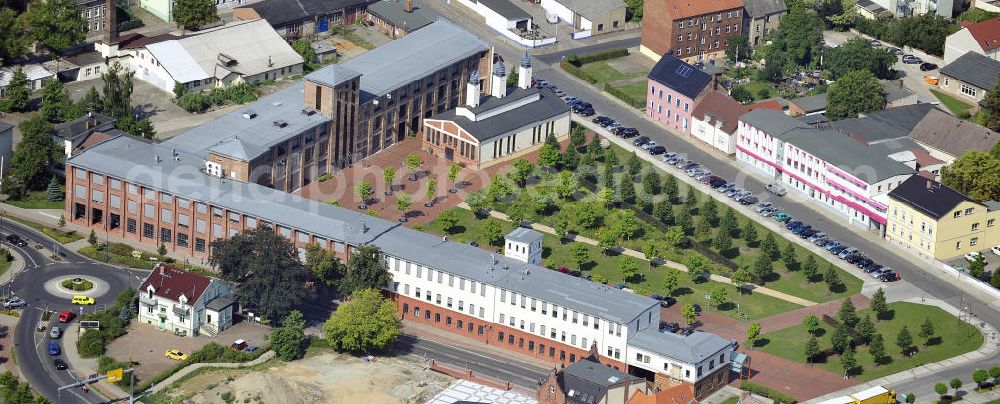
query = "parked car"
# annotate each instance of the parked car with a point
(14, 302)
(641, 140)
(55, 332)
(657, 150)
(776, 189)
(60, 364)
(54, 348)
(972, 256)
(924, 67)
(66, 316)
(175, 354)
(17, 240)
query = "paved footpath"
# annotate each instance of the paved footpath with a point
(671, 264)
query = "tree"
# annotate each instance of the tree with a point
(365, 270)
(878, 304)
(956, 384)
(857, 91)
(689, 314)
(738, 48)
(289, 340)
(741, 278)
(520, 171)
(720, 296)
(364, 191)
(326, 268)
(761, 268)
(749, 233)
(847, 361)
(18, 92)
(866, 328)
(651, 184)
(671, 279)
(412, 163)
(366, 322)
(741, 93)
(979, 376)
(858, 54)
(56, 104)
(581, 254)
(723, 241)
(34, 157)
(549, 154)
(493, 231)
(788, 256)
(904, 340)
(847, 313)
(13, 38)
(664, 212)
(193, 14)
(941, 389)
(403, 204)
(926, 330)
(54, 192)
(266, 266)
(304, 48)
(811, 349)
(56, 24)
(628, 268)
(809, 268)
(840, 340)
(876, 348)
(753, 333)
(117, 91)
(388, 174)
(626, 191)
(769, 247)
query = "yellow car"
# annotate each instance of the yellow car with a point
(81, 299)
(176, 355)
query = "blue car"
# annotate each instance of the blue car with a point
(54, 348)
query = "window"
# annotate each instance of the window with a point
(968, 90)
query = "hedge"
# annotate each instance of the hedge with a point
(777, 396)
(624, 96)
(211, 352)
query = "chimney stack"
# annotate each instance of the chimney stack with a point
(111, 29)
(409, 6)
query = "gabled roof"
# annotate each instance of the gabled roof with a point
(689, 8)
(942, 131)
(975, 69)
(986, 33)
(761, 8)
(281, 12)
(930, 197)
(679, 76)
(592, 9)
(170, 283)
(719, 107)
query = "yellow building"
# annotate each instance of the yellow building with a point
(936, 221)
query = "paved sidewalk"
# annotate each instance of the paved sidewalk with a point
(670, 264)
(991, 345)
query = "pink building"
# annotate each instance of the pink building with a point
(674, 89)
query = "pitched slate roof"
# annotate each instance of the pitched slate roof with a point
(930, 197)
(170, 283)
(974, 69)
(719, 107)
(942, 131)
(986, 33)
(761, 8)
(547, 106)
(679, 76)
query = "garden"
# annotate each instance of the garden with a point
(868, 344)
(636, 206)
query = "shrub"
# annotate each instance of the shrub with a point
(768, 392)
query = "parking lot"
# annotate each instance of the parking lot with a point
(146, 345)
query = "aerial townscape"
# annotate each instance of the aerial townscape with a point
(500, 201)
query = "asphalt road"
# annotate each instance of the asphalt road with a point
(30, 346)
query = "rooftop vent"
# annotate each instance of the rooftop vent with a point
(249, 114)
(280, 123)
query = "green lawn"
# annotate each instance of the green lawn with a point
(62, 236)
(604, 73)
(953, 337)
(36, 200)
(953, 104)
(754, 305)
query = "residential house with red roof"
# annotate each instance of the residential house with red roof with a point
(981, 37)
(715, 120)
(185, 302)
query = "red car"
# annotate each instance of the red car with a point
(66, 316)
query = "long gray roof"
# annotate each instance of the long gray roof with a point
(235, 136)
(546, 107)
(761, 8)
(153, 165)
(693, 348)
(974, 69)
(411, 57)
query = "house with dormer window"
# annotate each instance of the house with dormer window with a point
(185, 302)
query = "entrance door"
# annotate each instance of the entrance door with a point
(449, 153)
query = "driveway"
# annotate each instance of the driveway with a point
(146, 344)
